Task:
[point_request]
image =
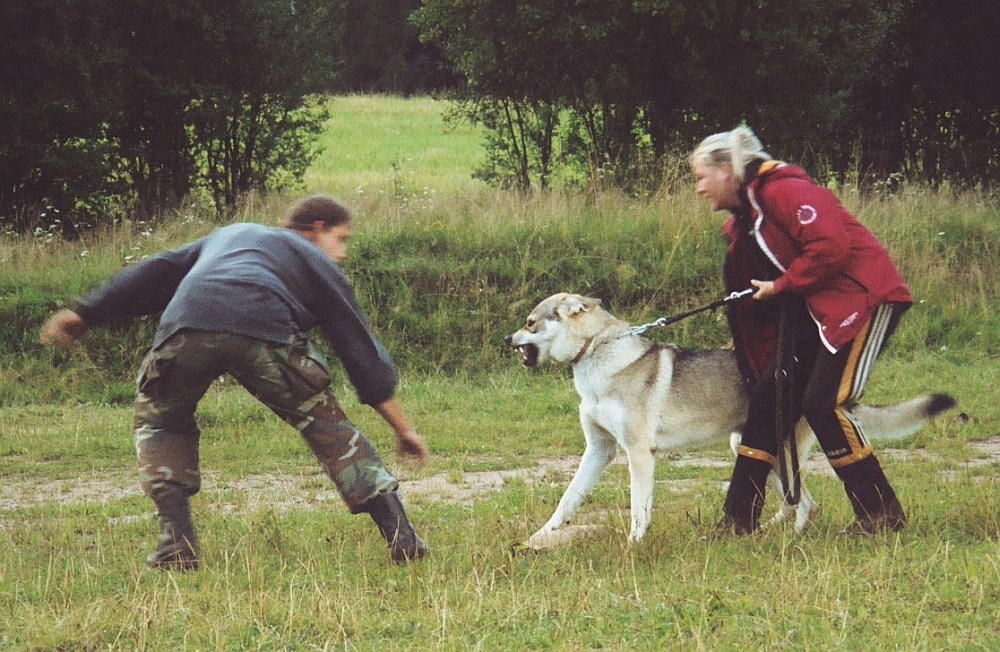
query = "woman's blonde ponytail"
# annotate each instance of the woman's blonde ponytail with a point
(737, 148)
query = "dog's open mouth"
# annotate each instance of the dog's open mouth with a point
(530, 355)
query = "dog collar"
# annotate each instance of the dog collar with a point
(586, 345)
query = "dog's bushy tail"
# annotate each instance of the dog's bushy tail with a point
(902, 419)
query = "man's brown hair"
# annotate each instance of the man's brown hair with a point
(317, 208)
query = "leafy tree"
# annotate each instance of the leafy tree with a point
(528, 65)
(154, 54)
(255, 115)
(632, 80)
(796, 71)
(53, 154)
(474, 37)
(947, 96)
(137, 103)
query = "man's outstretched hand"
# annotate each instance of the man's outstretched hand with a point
(411, 444)
(62, 329)
(408, 442)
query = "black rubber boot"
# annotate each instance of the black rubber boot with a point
(744, 500)
(178, 545)
(390, 517)
(875, 503)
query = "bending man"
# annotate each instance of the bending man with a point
(241, 300)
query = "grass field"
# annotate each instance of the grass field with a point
(287, 568)
(379, 144)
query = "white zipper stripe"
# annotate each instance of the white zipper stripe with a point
(774, 259)
(756, 231)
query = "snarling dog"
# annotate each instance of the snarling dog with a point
(646, 397)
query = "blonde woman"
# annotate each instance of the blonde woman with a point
(793, 242)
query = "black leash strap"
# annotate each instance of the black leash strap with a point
(784, 376)
(666, 321)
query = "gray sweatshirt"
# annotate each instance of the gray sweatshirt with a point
(263, 282)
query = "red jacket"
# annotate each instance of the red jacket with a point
(821, 253)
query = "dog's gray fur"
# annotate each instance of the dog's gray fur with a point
(648, 397)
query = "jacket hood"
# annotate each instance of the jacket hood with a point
(772, 170)
(760, 170)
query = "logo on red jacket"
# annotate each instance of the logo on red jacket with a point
(806, 214)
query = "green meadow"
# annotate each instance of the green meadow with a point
(379, 144)
(445, 267)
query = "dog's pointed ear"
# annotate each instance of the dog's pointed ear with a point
(574, 304)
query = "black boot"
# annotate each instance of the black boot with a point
(875, 503)
(745, 498)
(390, 517)
(178, 546)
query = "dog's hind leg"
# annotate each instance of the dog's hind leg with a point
(600, 451)
(807, 508)
(803, 512)
(785, 510)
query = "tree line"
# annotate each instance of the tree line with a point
(115, 106)
(881, 89)
(131, 105)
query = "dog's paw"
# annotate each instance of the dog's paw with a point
(521, 550)
(561, 537)
(542, 539)
(805, 517)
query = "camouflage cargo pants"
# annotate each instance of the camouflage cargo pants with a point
(291, 379)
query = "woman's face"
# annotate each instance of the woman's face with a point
(717, 185)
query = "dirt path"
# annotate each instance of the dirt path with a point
(287, 490)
